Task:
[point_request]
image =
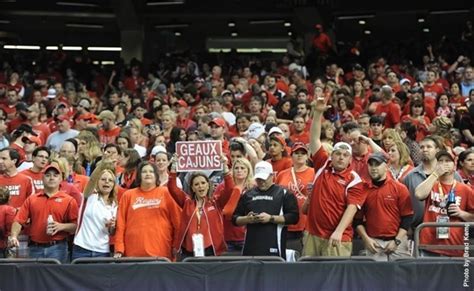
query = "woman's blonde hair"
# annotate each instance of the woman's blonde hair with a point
(392, 133)
(63, 165)
(91, 187)
(170, 114)
(249, 179)
(404, 153)
(92, 150)
(136, 123)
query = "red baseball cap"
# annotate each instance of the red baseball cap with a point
(279, 139)
(86, 116)
(218, 121)
(181, 103)
(298, 146)
(33, 139)
(52, 166)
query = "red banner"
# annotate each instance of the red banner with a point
(199, 155)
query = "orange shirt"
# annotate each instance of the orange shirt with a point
(80, 181)
(147, 223)
(108, 136)
(332, 193)
(465, 201)
(36, 177)
(301, 185)
(37, 207)
(281, 164)
(384, 207)
(20, 186)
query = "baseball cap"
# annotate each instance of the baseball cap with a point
(379, 157)
(225, 92)
(342, 146)
(218, 121)
(52, 166)
(21, 106)
(86, 116)
(33, 139)
(263, 170)
(181, 103)
(279, 139)
(51, 93)
(106, 114)
(255, 130)
(199, 80)
(26, 128)
(298, 146)
(404, 80)
(158, 149)
(444, 153)
(275, 129)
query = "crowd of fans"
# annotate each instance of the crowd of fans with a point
(312, 158)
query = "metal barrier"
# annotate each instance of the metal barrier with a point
(233, 259)
(103, 260)
(334, 258)
(29, 261)
(418, 229)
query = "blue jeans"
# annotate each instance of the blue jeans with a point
(78, 252)
(57, 251)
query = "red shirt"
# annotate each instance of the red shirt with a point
(20, 186)
(280, 165)
(37, 207)
(360, 165)
(7, 214)
(301, 184)
(300, 137)
(391, 113)
(36, 177)
(465, 201)
(384, 207)
(332, 193)
(42, 129)
(108, 136)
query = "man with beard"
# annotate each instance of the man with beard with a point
(387, 212)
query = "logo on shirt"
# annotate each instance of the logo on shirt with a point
(59, 200)
(38, 184)
(263, 197)
(141, 202)
(14, 190)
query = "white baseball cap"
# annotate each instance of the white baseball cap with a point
(342, 146)
(51, 93)
(404, 80)
(263, 170)
(158, 149)
(255, 130)
(275, 129)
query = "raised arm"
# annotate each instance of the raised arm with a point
(178, 195)
(318, 106)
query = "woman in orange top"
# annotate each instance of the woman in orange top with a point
(399, 160)
(148, 218)
(299, 180)
(201, 232)
(242, 174)
(279, 156)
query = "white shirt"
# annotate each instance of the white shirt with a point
(93, 234)
(140, 149)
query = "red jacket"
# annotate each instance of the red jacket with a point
(212, 213)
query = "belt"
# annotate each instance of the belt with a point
(386, 238)
(46, 244)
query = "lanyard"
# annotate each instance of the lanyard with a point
(296, 183)
(441, 192)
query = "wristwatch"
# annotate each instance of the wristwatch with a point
(272, 219)
(397, 241)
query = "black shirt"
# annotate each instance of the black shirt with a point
(267, 239)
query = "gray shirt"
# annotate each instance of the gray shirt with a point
(56, 139)
(412, 180)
